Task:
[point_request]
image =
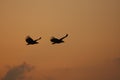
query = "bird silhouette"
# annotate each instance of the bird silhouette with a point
(30, 41)
(57, 41)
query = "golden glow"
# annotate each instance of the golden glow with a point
(92, 45)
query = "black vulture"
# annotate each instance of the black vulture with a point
(30, 41)
(57, 41)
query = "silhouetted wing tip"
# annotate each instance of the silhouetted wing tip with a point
(38, 39)
(64, 36)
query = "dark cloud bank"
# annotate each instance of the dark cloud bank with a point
(18, 72)
(108, 71)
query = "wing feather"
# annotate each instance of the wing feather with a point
(64, 37)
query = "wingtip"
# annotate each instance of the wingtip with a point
(66, 35)
(40, 38)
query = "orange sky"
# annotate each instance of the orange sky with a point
(90, 52)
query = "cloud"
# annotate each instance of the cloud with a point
(17, 72)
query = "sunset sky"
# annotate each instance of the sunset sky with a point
(90, 52)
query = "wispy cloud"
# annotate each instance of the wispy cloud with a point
(17, 72)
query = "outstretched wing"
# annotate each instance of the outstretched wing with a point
(29, 39)
(64, 37)
(37, 39)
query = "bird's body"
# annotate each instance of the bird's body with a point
(57, 41)
(30, 41)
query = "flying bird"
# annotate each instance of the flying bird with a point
(57, 41)
(30, 41)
